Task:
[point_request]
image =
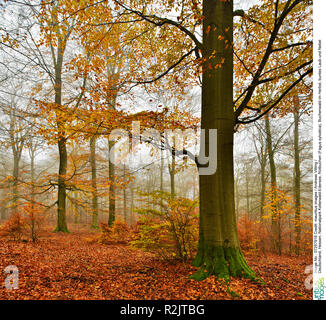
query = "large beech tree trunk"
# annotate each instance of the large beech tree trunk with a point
(219, 250)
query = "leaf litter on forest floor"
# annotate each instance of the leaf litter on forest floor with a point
(65, 266)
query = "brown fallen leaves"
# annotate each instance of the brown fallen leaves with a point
(66, 266)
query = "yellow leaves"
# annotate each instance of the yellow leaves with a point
(9, 40)
(278, 203)
(251, 37)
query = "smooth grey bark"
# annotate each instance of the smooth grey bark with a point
(219, 250)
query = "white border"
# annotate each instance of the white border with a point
(319, 130)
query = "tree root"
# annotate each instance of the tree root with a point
(222, 262)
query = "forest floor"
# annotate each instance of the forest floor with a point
(66, 266)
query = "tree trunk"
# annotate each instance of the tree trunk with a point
(15, 174)
(125, 213)
(172, 173)
(61, 222)
(111, 188)
(33, 218)
(247, 195)
(262, 186)
(219, 250)
(75, 209)
(276, 232)
(297, 178)
(16, 152)
(131, 203)
(62, 148)
(92, 161)
(262, 193)
(111, 102)
(161, 178)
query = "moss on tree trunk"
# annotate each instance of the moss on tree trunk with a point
(222, 262)
(219, 250)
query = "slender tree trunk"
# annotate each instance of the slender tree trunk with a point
(112, 187)
(297, 178)
(161, 178)
(275, 214)
(61, 222)
(247, 195)
(290, 228)
(75, 209)
(219, 250)
(33, 177)
(16, 152)
(262, 193)
(15, 174)
(125, 213)
(62, 148)
(2, 213)
(131, 188)
(172, 173)
(247, 205)
(111, 102)
(33, 218)
(94, 182)
(262, 186)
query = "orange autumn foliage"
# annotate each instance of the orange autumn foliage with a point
(13, 227)
(27, 221)
(119, 233)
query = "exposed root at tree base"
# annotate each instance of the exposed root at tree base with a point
(222, 262)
